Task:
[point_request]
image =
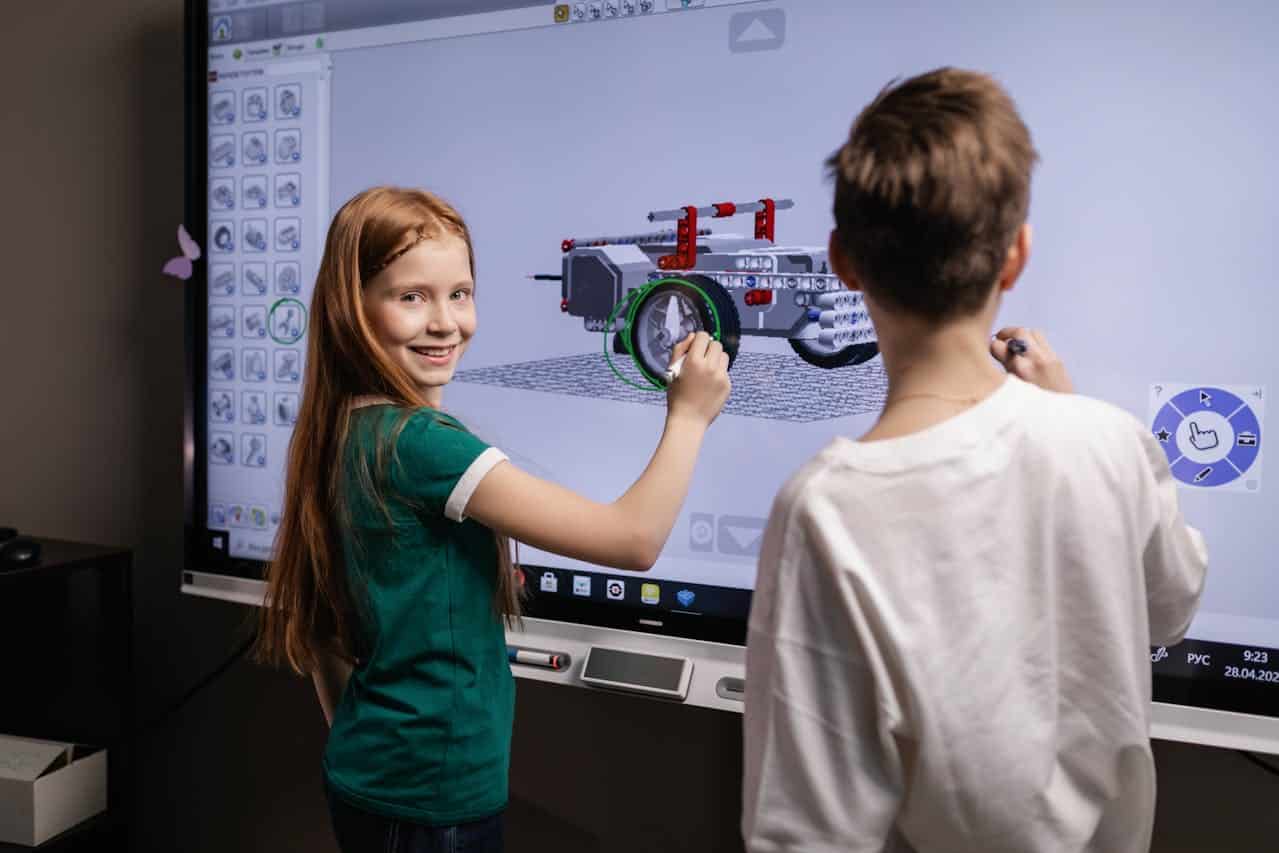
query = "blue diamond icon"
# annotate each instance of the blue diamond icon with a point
(685, 597)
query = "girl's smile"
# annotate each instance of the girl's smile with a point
(439, 356)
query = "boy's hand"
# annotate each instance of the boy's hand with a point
(702, 387)
(1033, 360)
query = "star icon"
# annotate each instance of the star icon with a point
(1163, 435)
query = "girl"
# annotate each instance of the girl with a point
(392, 574)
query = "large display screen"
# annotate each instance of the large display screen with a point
(632, 168)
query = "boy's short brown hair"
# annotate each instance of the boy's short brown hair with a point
(930, 190)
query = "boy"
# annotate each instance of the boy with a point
(949, 643)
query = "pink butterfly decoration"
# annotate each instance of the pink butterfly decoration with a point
(180, 267)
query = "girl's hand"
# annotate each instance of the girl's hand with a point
(702, 387)
(630, 532)
(1033, 360)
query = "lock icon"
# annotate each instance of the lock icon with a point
(550, 583)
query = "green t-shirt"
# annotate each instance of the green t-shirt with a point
(423, 730)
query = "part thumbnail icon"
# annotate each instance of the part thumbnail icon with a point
(1210, 434)
(287, 321)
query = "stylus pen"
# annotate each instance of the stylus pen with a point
(1015, 347)
(672, 372)
(531, 657)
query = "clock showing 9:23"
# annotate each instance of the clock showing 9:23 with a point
(1211, 434)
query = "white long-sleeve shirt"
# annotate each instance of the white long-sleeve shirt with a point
(949, 642)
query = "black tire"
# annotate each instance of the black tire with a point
(652, 354)
(849, 355)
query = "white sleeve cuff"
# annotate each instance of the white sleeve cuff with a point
(455, 507)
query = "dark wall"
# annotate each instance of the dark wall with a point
(90, 434)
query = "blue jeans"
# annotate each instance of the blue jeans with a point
(359, 831)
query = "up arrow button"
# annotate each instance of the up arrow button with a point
(752, 31)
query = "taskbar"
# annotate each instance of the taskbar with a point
(218, 552)
(1222, 676)
(637, 603)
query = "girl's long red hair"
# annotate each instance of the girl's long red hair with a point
(311, 607)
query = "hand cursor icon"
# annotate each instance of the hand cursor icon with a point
(1202, 439)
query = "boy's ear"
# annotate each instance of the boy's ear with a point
(839, 263)
(1015, 261)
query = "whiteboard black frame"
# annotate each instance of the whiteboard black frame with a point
(1185, 697)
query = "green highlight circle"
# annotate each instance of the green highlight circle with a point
(635, 297)
(270, 327)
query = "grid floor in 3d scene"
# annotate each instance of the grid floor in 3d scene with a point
(778, 387)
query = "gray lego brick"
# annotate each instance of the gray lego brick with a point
(779, 387)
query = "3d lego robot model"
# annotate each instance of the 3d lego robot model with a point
(651, 290)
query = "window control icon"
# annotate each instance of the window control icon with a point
(753, 31)
(701, 531)
(741, 535)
